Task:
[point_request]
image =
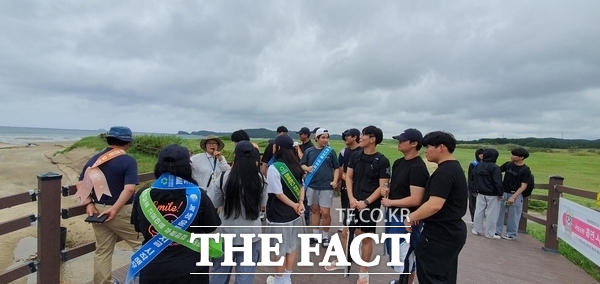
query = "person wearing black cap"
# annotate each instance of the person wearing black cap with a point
(407, 185)
(517, 176)
(351, 139)
(304, 136)
(285, 206)
(120, 172)
(445, 203)
(368, 172)
(241, 192)
(267, 157)
(174, 185)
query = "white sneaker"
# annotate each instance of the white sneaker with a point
(271, 279)
(495, 237)
(475, 232)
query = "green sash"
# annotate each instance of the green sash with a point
(289, 179)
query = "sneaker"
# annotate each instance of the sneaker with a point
(271, 279)
(494, 237)
(510, 238)
(313, 241)
(325, 243)
(262, 216)
(475, 232)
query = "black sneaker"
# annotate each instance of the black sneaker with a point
(325, 243)
(313, 241)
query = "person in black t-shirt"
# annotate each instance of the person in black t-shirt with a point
(351, 139)
(304, 135)
(516, 177)
(445, 203)
(407, 185)
(368, 172)
(175, 263)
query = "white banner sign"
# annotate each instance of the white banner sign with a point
(579, 226)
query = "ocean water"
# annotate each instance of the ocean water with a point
(25, 135)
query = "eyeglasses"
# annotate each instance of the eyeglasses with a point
(212, 143)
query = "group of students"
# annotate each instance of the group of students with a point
(491, 195)
(291, 179)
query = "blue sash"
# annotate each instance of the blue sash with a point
(271, 161)
(158, 243)
(316, 165)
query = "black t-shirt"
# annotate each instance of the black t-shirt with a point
(344, 160)
(305, 146)
(368, 170)
(446, 226)
(118, 172)
(176, 260)
(406, 173)
(268, 152)
(514, 175)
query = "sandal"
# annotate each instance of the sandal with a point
(333, 266)
(363, 278)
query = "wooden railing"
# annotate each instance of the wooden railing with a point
(554, 190)
(49, 213)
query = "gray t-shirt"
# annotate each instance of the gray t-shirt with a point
(324, 175)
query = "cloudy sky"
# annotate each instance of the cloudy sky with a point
(476, 69)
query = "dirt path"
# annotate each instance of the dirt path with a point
(19, 166)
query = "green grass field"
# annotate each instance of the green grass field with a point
(579, 168)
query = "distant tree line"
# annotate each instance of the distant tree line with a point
(552, 143)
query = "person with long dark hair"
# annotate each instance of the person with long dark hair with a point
(171, 203)
(241, 192)
(285, 206)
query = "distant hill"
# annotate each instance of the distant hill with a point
(554, 143)
(252, 132)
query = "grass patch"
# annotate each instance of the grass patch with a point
(539, 232)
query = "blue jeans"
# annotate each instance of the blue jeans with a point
(514, 215)
(238, 257)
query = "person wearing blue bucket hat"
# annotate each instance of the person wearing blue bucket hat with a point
(107, 185)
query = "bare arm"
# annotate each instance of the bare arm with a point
(432, 206)
(415, 198)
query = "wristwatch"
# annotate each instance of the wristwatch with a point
(366, 201)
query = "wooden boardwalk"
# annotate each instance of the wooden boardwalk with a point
(481, 260)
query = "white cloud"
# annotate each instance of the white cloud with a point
(490, 69)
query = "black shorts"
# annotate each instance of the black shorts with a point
(367, 219)
(345, 205)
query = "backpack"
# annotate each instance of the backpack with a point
(530, 186)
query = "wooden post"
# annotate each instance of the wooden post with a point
(48, 233)
(551, 241)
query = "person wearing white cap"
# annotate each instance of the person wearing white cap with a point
(322, 169)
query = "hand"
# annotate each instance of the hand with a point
(384, 192)
(474, 194)
(90, 209)
(353, 202)
(310, 169)
(218, 155)
(386, 202)
(300, 208)
(361, 205)
(334, 184)
(408, 226)
(112, 212)
(500, 197)
(511, 200)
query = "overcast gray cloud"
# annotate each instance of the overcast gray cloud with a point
(476, 69)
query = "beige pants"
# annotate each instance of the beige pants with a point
(106, 237)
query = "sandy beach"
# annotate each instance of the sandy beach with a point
(19, 166)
